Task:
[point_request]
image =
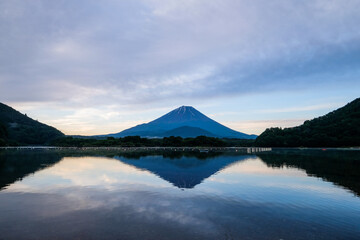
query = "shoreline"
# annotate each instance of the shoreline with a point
(235, 149)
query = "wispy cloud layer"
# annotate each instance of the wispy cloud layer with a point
(130, 53)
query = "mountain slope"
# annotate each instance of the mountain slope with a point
(339, 128)
(188, 132)
(184, 116)
(17, 128)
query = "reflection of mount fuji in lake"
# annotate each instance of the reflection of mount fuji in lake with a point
(185, 171)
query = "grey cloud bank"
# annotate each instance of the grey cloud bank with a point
(142, 50)
(96, 53)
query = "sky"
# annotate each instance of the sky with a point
(93, 67)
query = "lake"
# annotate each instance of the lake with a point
(110, 194)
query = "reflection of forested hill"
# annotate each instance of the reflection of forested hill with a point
(15, 165)
(183, 172)
(340, 167)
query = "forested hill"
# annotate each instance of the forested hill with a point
(340, 128)
(17, 128)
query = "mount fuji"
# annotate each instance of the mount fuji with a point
(184, 121)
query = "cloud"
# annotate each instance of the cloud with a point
(300, 109)
(91, 54)
(128, 49)
(258, 126)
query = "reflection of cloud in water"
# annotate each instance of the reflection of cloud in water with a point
(97, 197)
(85, 171)
(149, 214)
(149, 207)
(256, 166)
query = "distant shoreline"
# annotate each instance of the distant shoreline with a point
(252, 149)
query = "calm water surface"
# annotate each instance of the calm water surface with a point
(283, 194)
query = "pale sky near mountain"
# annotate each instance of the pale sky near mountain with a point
(95, 67)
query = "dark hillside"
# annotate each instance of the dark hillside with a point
(17, 128)
(340, 128)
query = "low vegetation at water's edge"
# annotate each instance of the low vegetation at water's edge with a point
(137, 141)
